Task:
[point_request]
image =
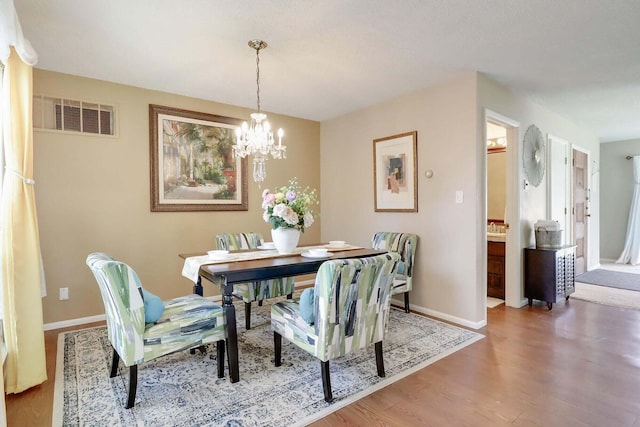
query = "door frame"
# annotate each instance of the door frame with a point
(514, 293)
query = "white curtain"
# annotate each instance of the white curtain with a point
(631, 252)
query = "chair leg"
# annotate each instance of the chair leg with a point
(220, 357)
(114, 364)
(133, 384)
(277, 347)
(379, 359)
(247, 315)
(406, 302)
(202, 349)
(326, 381)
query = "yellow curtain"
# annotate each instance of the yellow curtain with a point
(20, 257)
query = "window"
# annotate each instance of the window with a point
(73, 116)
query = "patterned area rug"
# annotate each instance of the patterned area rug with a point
(183, 389)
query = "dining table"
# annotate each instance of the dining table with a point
(253, 265)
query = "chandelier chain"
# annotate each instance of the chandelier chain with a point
(258, 76)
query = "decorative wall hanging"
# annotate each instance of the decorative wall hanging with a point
(192, 163)
(395, 176)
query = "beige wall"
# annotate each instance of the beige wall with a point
(616, 180)
(444, 117)
(92, 194)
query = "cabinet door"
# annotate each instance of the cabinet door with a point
(495, 270)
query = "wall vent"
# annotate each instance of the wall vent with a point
(68, 115)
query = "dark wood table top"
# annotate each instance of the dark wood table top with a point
(239, 271)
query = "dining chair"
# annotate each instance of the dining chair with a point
(184, 323)
(346, 310)
(259, 290)
(405, 244)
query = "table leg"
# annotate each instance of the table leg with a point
(197, 287)
(232, 334)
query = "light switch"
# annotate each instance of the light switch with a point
(459, 196)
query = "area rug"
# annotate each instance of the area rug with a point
(614, 297)
(612, 279)
(183, 389)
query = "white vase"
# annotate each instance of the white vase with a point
(285, 239)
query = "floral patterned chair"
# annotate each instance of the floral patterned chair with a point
(254, 291)
(405, 244)
(348, 310)
(186, 323)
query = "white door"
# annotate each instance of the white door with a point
(580, 208)
(559, 190)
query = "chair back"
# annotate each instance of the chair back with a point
(352, 300)
(403, 243)
(237, 241)
(124, 307)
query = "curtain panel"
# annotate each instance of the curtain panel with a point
(20, 259)
(631, 252)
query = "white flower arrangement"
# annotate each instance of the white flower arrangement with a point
(289, 206)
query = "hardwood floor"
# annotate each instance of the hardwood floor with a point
(576, 365)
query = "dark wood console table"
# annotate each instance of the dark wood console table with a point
(549, 273)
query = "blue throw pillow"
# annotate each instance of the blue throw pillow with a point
(153, 306)
(400, 267)
(306, 306)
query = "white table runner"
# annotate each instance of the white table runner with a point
(192, 264)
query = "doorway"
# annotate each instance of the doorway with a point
(568, 196)
(513, 291)
(496, 212)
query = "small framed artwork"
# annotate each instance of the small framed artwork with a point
(395, 176)
(192, 162)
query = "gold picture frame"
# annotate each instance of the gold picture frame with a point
(192, 164)
(395, 173)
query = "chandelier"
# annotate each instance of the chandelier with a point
(256, 138)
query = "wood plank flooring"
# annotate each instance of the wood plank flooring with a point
(576, 365)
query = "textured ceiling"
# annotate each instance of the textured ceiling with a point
(579, 58)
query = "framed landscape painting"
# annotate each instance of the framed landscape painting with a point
(192, 163)
(395, 179)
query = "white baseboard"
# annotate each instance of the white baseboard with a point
(444, 316)
(74, 322)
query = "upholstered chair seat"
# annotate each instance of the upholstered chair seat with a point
(405, 244)
(258, 290)
(348, 311)
(185, 323)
